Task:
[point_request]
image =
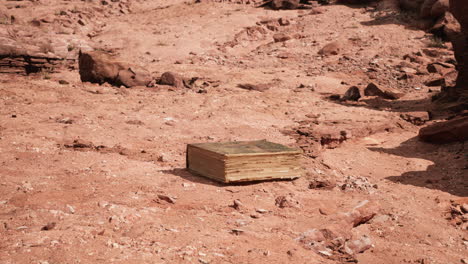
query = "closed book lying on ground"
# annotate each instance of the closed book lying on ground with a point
(244, 161)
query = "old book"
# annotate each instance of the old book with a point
(244, 161)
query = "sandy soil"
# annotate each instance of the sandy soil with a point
(100, 203)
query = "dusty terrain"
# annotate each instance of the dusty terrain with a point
(84, 166)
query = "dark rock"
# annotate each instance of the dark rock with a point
(286, 202)
(326, 184)
(439, 8)
(49, 226)
(281, 37)
(374, 90)
(254, 87)
(426, 7)
(447, 27)
(446, 132)
(352, 94)
(166, 198)
(172, 79)
(237, 204)
(98, 67)
(284, 22)
(464, 208)
(440, 68)
(332, 48)
(440, 81)
(416, 118)
(459, 9)
(283, 4)
(412, 5)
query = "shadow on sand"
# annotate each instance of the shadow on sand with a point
(195, 178)
(449, 173)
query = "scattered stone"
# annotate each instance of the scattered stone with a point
(446, 132)
(358, 246)
(435, 53)
(408, 70)
(203, 261)
(326, 184)
(172, 79)
(357, 183)
(286, 202)
(362, 213)
(332, 48)
(440, 68)
(237, 204)
(103, 204)
(360, 218)
(284, 21)
(166, 198)
(464, 208)
(440, 81)
(71, 209)
(416, 118)
(327, 243)
(281, 37)
(237, 231)
(49, 226)
(80, 144)
(254, 87)
(261, 211)
(65, 120)
(352, 94)
(374, 90)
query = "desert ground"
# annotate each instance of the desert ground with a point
(95, 173)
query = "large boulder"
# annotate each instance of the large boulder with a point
(458, 95)
(429, 9)
(373, 90)
(439, 8)
(413, 5)
(459, 9)
(98, 67)
(447, 27)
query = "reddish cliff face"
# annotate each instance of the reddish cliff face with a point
(459, 9)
